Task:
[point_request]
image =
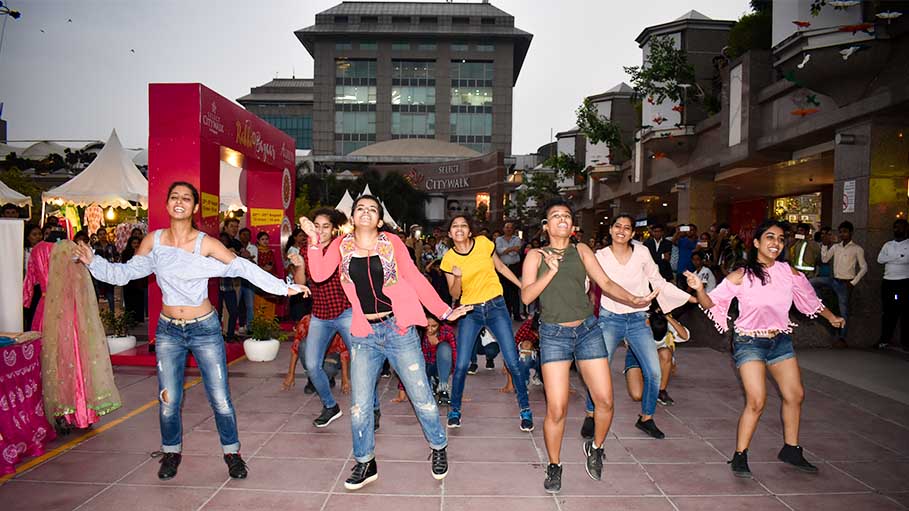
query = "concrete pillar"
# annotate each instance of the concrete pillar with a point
(872, 155)
(696, 202)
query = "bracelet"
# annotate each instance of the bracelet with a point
(447, 314)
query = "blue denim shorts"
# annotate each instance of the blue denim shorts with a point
(583, 342)
(768, 350)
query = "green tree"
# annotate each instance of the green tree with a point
(599, 129)
(752, 32)
(537, 189)
(15, 179)
(665, 73)
(565, 166)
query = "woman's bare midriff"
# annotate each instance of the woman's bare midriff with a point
(572, 324)
(380, 315)
(187, 311)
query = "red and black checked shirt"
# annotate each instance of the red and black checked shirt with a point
(328, 298)
(446, 334)
(525, 333)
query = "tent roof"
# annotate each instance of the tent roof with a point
(112, 179)
(8, 195)
(41, 150)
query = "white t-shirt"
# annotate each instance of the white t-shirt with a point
(707, 277)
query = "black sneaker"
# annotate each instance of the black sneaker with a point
(739, 464)
(490, 364)
(587, 428)
(454, 419)
(526, 421)
(664, 399)
(553, 482)
(792, 454)
(376, 415)
(439, 463)
(594, 460)
(362, 474)
(472, 369)
(328, 416)
(443, 398)
(386, 371)
(650, 428)
(169, 463)
(309, 388)
(236, 467)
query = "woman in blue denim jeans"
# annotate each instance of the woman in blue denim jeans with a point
(387, 294)
(766, 289)
(183, 259)
(470, 268)
(558, 276)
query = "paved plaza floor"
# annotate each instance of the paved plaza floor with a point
(858, 439)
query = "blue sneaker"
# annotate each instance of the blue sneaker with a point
(526, 420)
(454, 419)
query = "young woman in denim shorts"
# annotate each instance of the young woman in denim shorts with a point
(557, 275)
(766, 289)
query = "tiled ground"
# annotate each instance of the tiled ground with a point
(859, 440)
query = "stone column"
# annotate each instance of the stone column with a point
(696, 202)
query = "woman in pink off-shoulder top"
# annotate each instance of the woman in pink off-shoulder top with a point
(766, 289)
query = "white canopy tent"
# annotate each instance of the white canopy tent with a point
(112, 179)
(8, 195)
(347, 202)
(230, 188)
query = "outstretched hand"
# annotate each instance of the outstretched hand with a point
(643, 301)
(295, 289)
(837, 322)
(84, 253)
(694, 282)
(308, 228)
(460, 311)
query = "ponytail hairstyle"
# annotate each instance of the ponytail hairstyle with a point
(659, 325)
(337, 218)
(753, 267)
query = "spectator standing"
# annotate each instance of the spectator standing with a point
(894, 256)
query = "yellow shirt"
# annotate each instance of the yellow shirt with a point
(479, 280)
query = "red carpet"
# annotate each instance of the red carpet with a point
(139, 356)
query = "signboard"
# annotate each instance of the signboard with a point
(210, 205)
(849, 196)
(265, 216)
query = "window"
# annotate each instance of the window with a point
(400, 19)
(413, 125)
(488, 21)
(369, 19)
(413, 69)
(343, 46)
(355, 95)
(426, 46)
(368, 45)
(486, 47)
(471, 125)
(413, 96)
(459, 47)
(341, 19)
(429, 19)
(400, 46)
(464, 70)
(355, 72)
(471, 96)
(300, 128)
(355, 122)
(460, 20)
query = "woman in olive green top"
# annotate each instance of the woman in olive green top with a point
(557, 275)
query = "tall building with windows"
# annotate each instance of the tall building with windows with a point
(413, 70)
(285, 103)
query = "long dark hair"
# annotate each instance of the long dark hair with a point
(384, 227)
(192, 190)
(752, 266)
(128, 251)
(292, 239)
(337, 218)
(659, 325)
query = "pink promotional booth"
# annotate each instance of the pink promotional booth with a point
(192, 130)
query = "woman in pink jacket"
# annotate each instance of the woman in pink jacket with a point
(387, 293)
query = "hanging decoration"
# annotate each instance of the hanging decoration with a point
(848, 52)
(867, 28)
(678, 108)
(802, 24)
(805, 60)
(889, 15)
(659, 120)
(802, 112)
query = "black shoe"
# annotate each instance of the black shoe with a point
(169, 463)
(362, 474)
(331, 382)
(664, 399)
(650, 428)
(587, 428)
(236, 467)
(439, 463)
(328, 416)
(553, 482)
(526, 421)
(309, 388)
(376, 415)
(792, 454)
(739, 464)
(472, 369)
(454, 419)
(386, 370)
(443, 398)
(490, 364)
(594, 460)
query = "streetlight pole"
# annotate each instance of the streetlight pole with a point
(6, 12)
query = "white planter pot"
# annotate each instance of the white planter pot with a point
(261, 351)
(118, 344)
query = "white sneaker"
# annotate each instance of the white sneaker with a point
(535, 380)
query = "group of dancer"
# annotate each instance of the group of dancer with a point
(367, 289)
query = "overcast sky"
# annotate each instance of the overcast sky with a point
(78, 79)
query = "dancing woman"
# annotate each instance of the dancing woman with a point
(470, 268)
(766, 289)
(387, 293)
(632, 267)
(557, 275)
(183, 259)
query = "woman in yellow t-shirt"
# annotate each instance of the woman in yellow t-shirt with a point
(470, 268)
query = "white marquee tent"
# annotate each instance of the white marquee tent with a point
(347, 202)
(8, 195)
(112, 179)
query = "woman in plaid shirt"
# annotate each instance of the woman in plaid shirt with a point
(440, 347)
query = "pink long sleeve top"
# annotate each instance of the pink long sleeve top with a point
(764, 308)
(402, 281)
(637, 276)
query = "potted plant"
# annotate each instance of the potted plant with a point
(118, 324)
(264, 341)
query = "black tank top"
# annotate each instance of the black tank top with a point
(368, 280)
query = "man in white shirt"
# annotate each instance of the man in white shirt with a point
(849, 267)
(704, 273)
(508, 248)
(895, 286)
